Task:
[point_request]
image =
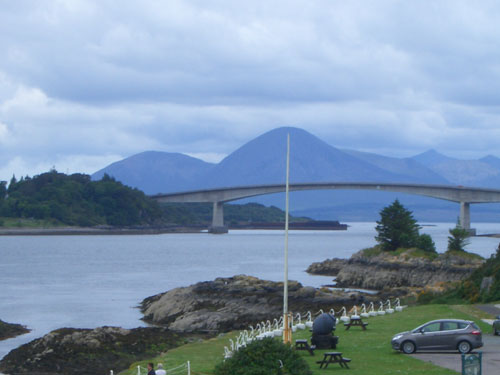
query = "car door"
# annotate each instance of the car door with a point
(428, 335)
(447, 338)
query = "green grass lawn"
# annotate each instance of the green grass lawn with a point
(370, 350)
(14, 222)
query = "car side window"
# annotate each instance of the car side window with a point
(462, 325)
(433, 327)
(448, 326)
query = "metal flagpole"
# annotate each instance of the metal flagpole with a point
(287, 331)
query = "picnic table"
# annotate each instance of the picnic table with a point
(333, 357)
(304, 345)
(355, 322)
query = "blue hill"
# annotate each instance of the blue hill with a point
(157, 172)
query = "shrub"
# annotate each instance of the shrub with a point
(458, 239)
(262, 357)
(425, 243)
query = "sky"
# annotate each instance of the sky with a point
(87, 83)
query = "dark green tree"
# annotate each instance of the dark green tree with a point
(396, 228)
(3, 190)
(12, 183)
(264, 357)
(458, 239)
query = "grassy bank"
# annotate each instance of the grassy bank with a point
(370, 350)
(11, 222)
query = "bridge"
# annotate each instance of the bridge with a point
(459, 194)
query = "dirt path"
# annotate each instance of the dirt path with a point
(490, 309)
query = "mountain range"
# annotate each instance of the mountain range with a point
(262, 161)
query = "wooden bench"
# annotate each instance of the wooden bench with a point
(333, 357)
(304, 345)
(356, 322)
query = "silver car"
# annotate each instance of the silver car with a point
(443, 334)
(496, 326)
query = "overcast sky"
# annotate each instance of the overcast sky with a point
(87, 83)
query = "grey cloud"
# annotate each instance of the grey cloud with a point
(90, 81)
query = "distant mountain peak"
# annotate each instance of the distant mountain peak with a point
(431, 157)
(157, 172)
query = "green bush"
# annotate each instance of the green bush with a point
(458, 239)
(469, 290)
(425, 243)
(263, 357)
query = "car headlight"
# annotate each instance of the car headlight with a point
(397, 337)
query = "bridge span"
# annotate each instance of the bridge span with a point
(463, 195)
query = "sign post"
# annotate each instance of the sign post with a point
(472, 364)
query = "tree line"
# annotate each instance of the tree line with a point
(397, 228)
(76, 200)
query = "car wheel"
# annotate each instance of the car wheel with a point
(408, 347)
(464, 347)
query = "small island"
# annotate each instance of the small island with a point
(404, 262)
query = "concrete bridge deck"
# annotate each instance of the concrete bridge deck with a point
(460, 194)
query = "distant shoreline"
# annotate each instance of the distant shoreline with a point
(75, 231)
(82, 231)
(492, 235)
(299, 225)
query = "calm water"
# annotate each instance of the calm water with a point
(90, 281)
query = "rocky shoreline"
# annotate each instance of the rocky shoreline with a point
(386, 270)
(9, 330)
(181, 314)
(225, 304)
(231, 303)
(70, 351)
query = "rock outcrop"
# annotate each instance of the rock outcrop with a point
(234, 303)
(8, 330)
(88, 351)
(387, 270)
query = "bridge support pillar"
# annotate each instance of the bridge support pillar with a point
(218, 226)
(465, 218)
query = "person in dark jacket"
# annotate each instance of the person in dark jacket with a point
(151, 370)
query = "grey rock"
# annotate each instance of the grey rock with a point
(234, 303)
(387, 270)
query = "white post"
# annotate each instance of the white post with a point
(189, 368)
(138, 370)
(111, 372)
(286, 331)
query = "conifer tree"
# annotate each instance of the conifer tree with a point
(396, 228)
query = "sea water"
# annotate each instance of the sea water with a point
(50, 282)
